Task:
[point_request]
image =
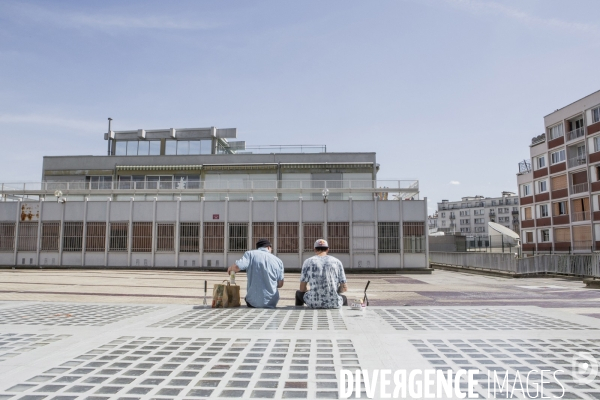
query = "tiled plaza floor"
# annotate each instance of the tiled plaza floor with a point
(103, 335)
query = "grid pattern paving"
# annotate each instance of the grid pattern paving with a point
(70, 314)
(473, 319)
(516, 356)
(256, 319)
(14, 344)
(169, 367)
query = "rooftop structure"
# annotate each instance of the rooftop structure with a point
(195, 198)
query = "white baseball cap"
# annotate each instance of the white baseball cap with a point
(321, 243)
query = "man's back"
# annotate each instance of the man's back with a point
(264, 270)
(324, 275)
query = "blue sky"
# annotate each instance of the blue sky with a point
(449, 92)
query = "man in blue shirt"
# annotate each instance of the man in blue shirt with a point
(265, 275)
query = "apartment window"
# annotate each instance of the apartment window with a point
(288, 240)
(95, 236)
(561, 208)
(414, 237)
(596, 143)
(313, 231)
(562, 235)
(73, 236)
(465, 213)
(165, 237)
(545, 235)
(141, 240)
(363, 237)
(443, 215)
(214, 237)
(465, 230)
(543, 210)
(527, 211)
(556, 131)
(479, 229)
(557, 157)
(50, 236)
(559, 182)
(466, 221)
(338, 237)
(443, 223)
(528, 237)
(542, 186)
(263, 230)
(525, 189)
(7, 236)
(480, 220)
(189, 237)
(118, 236)
(500, 202)
(541, 162)
(388, 237)
(596, 115)
(493, 202)
(238, 237)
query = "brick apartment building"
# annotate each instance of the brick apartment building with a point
(559, 187)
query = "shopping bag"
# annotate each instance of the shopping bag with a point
(220, 298)
(233, 295)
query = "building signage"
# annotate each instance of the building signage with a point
(215, 216)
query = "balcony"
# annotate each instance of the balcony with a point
(580, 216)
(452, 217)
(492, 213)
(576, 161)
(515, 213)
(576, 133)
(524, 167)
(580, 188)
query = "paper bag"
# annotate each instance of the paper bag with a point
(233, 295)
(219, 299)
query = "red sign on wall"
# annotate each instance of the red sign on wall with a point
(215, 216)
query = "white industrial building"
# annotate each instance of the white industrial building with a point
(191, 198)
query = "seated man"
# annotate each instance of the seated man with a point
(265, 275)
(326, 277)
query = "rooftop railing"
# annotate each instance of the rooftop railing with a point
(524, 167)
(395, 188)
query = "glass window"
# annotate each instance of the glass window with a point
(597, 143)
(557, 156)
(542, 186)
(545, 235)
(121, 148)
(544, 210)
(556, 131)
(206, 146)
(143, 148)
(194, 146)
(183, 147)
(154, 147)
(132, 147)
(596, 115)
(541, 161)
(171, 147)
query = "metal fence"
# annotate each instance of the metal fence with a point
(567, 264)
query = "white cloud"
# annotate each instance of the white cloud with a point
(481, 7)
(40, 119)
(454, 182)
(106, 21)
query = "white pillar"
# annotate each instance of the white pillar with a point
(376, 233)
(84, 231)
(351, 231)
(426, 232)
(401, 232)
(226, 232)
(154, 234)
(201, 233)
(250, 221)
(300, 233)
(107, 232)
(275, 226)
(177, 232)
(17, 228)
(130, 233)
(39, 232)
(61, 235)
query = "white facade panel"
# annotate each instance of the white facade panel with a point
(238, 211)
(388, 210)
(338, 211)
(71, 259)
(415, 260)
(8, 211)
(363, 211)
(413, 210)
(119, 211)
(142, 210)
(189, 211)
(288, 211)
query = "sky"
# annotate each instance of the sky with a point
(449, 92)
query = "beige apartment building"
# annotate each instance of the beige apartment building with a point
(559, 187)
